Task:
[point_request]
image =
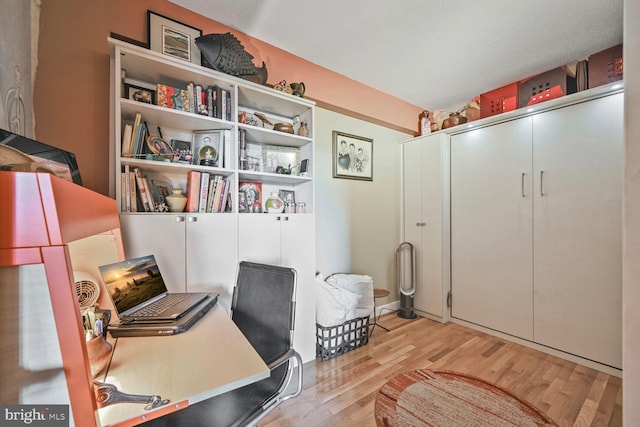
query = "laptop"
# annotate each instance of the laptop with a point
(140, 295)
(164, 328)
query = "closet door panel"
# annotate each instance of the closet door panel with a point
(578, 170)
(491, 227)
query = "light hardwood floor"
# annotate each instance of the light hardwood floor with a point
(342, 391)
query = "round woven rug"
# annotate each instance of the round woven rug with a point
(450, 399)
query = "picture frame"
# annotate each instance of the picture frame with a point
(304, 167)
(208, 148)
(352, 156)
(139, 93)
(250, 197)
(287, 196)
(182, 151)
(173, 38)
(280, 159)
(161, 188)
(159, 147)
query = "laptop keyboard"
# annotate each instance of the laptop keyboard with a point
(160, 306)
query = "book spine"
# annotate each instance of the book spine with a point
(127, 192)
(190, 90)
(228, 105)
(147, 189)
(126, 139)
(218, 196)
(142, 191)
(226, 162)
(204, 191)
(225, 194)
(224, 104)
(193, 191)
(210, 100)
(212, 192)
(133, 192)
(218, 102)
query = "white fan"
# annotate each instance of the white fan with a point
(87, 289)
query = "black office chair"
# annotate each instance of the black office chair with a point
(263, 308)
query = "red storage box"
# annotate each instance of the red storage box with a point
(605, 66)
(499, 100)
(543, 87)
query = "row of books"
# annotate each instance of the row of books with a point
(140, 194)
(134, 137)
(211, 101)
(207, 192)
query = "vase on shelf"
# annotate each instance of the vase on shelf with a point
(303, 130)
(274, 204)
(176, 200)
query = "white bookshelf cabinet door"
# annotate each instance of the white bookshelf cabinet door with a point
(298, 251)
(161, 235)
(212, 252)
(259, 238)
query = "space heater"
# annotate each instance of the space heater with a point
(406, 278)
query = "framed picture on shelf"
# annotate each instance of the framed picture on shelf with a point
(160, 147)
(352, 156)
(160, 188)
(173, 38)
(182, 152)
(250, 197)
(287, 196)
(208, 147)
(304, 167)
(278, 159)
(139, 93)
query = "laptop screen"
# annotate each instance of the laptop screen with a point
(132, 282)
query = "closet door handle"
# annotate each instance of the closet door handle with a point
(522, 184)
(541, 190)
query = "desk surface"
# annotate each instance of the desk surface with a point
(209, 359)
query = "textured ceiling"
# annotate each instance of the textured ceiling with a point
(431, 53)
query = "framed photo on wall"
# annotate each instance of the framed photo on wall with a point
(352, 156)
(173, 38)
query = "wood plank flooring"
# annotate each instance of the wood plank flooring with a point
(342, 391)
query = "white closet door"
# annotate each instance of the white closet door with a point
(578, 170)
(491, 220)
(413, 202)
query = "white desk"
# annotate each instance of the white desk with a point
(209, 359)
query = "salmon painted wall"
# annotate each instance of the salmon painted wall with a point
(71, 91)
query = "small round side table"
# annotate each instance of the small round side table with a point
(377, 293)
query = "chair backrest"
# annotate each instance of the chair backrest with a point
(263, 307)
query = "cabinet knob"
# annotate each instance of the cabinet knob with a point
(193, 219)
(179, 219)
(417, 224)
(286, 218)
(278, 218)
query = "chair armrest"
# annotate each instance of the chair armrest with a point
(290, 354)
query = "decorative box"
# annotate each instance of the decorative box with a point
(605, 66)
(499, 100)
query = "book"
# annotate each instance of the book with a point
(134, 135)
(193, 191)
(142, 191)
(211, 101)
(147, 189)
(126, 139)
(204, 192)
(226, 151)
(133, 194)
(212, 190)
(217, 198)
(225, 194)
